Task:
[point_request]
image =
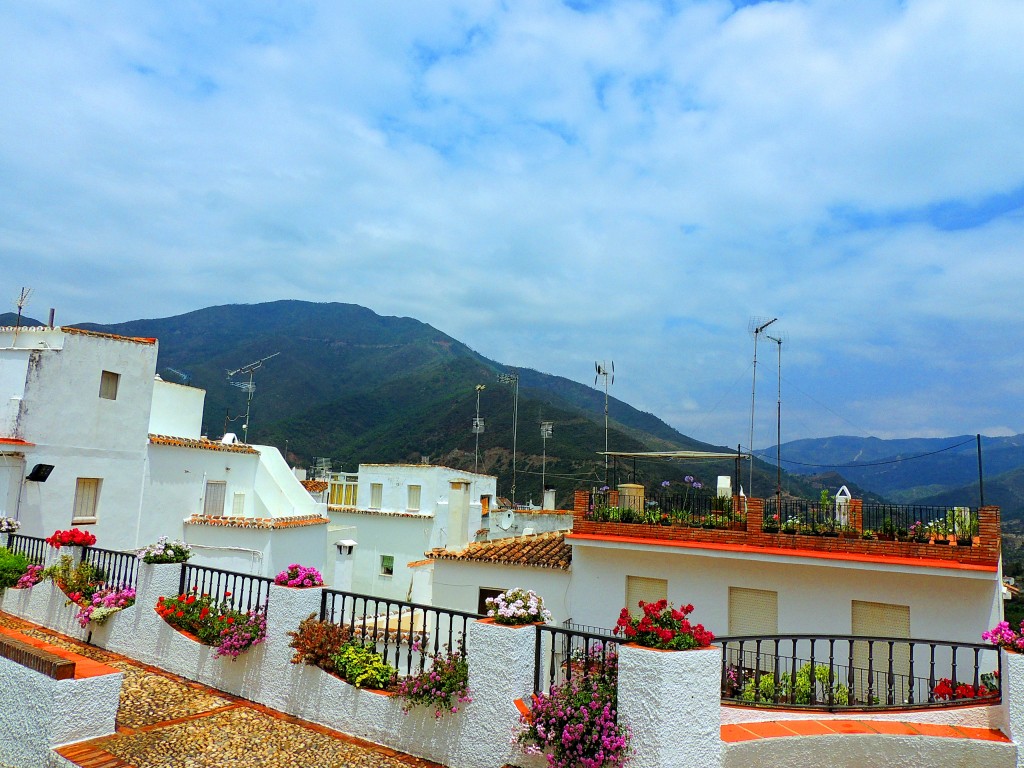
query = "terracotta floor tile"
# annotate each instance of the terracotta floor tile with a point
(850, 726)
(932, 729)
(984, 734)
(808, 727)
(734, 733)
(769, 729)
(894, 728)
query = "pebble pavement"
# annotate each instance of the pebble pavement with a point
(165, 721)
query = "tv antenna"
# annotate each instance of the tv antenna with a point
(545, 432)
(783, 336)
(513, 378)
(248, 387)
(608, 373)
(23, 296)
(185, 377)
(478, 427)
(757, 326)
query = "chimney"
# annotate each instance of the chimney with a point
(458, 515)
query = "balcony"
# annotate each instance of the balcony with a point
(959, 536)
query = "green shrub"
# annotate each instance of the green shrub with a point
(362, 666)
(12, 567)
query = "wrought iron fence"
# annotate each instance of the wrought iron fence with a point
(922, 522)
(562, 653)
(850, 672)
(241, 591)
(31, 547)
(407, 635)
(694, 509)
(114, 569)
(805, 516)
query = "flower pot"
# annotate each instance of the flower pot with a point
(941, 541)
(964, 542)
(830, 534)
(771, 529)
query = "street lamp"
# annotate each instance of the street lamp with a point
(478, 426)
(545, 433)
(513, 378)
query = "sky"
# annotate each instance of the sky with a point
(554, 184)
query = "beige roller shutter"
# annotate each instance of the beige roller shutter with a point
(880, 620)
(643, 588)
(753, 611)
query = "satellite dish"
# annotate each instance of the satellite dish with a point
(506, 519)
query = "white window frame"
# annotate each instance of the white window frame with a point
(415, 497)
(376, 495)
(87, 500)
(109, 384)
(238, 504)
(209, 503)
(385, 569)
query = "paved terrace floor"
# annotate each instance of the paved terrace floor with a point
(166, 721)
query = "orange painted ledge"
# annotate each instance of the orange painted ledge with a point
(84, 667)
(918, 562)
(737, 732)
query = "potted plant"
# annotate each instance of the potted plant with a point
(663, 627)
(791, 526)
(887, 531)
(918, 532)
(517, 607)
(868, 534)
(770, 524)
(165, 551)
(299, 577)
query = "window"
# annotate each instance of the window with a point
(880, 620)
(238, 505)
(87, 497)
(214, 498)
(643, 588)
(387, 565)
(486, 592)
(753, 611)
(344, 492)
(376, 495)
(414, 497)
(108, 385)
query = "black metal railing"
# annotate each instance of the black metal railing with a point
(31, 547)
(114, 569)
(241, 591)
(406, 635)
(805, 516)
(563, 653)
(851, 672)
(695, 509)
(921, 522)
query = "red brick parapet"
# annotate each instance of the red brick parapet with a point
(984, 551)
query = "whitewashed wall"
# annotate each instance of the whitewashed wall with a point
(815, 596)
(177, 410)
(456, 585)
(406, 537)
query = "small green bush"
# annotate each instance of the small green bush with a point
(12, 567)
(363, 667)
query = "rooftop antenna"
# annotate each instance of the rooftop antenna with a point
(248, 387)
(545, 433)
(322, 468)
(783, 336)
(608, 373)
(513, 378)
(757, 326)
(20, 302)
(185, 377)
(478, 427)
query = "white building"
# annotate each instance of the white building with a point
(90, 437)
(396, 512)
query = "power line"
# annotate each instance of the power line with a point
(878, 463)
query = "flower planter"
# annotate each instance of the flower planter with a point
(942, 542)
(770, 529)
(490, 620)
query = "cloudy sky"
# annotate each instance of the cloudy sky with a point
(553, 183)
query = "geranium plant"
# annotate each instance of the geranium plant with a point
(72, 538)
(575, 724)
(662, 626)
(299, 576)
(78, 582)
(444, 686)
(517, 606)
(1002, 636)
(30, 578)
(105, 603)
(165, 551)
(9, 525)
(217, 624)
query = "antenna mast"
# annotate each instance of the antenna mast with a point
(249, 387)
(778, 424)
(513, 378)
(602, 370)
(757, 326)
(20, 302)
(478, 427)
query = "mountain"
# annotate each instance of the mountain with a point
(339, 381)
(929, 471)
(11, 318)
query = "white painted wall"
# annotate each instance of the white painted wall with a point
(456, 585)
(278, 493)
(814, 595)
(177, 410)
(12, 470)
(13, 374)
(259, 551)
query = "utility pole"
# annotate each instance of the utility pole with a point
(478, 426)
(757, 329)
(545, 433)
(778, 429)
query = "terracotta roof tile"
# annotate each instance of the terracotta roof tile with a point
(314, 486)
(205, 445)
(114, 336)
(545, 550)
(229, 521)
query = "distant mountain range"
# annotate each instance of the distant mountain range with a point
(347, 384)
(930, 471)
